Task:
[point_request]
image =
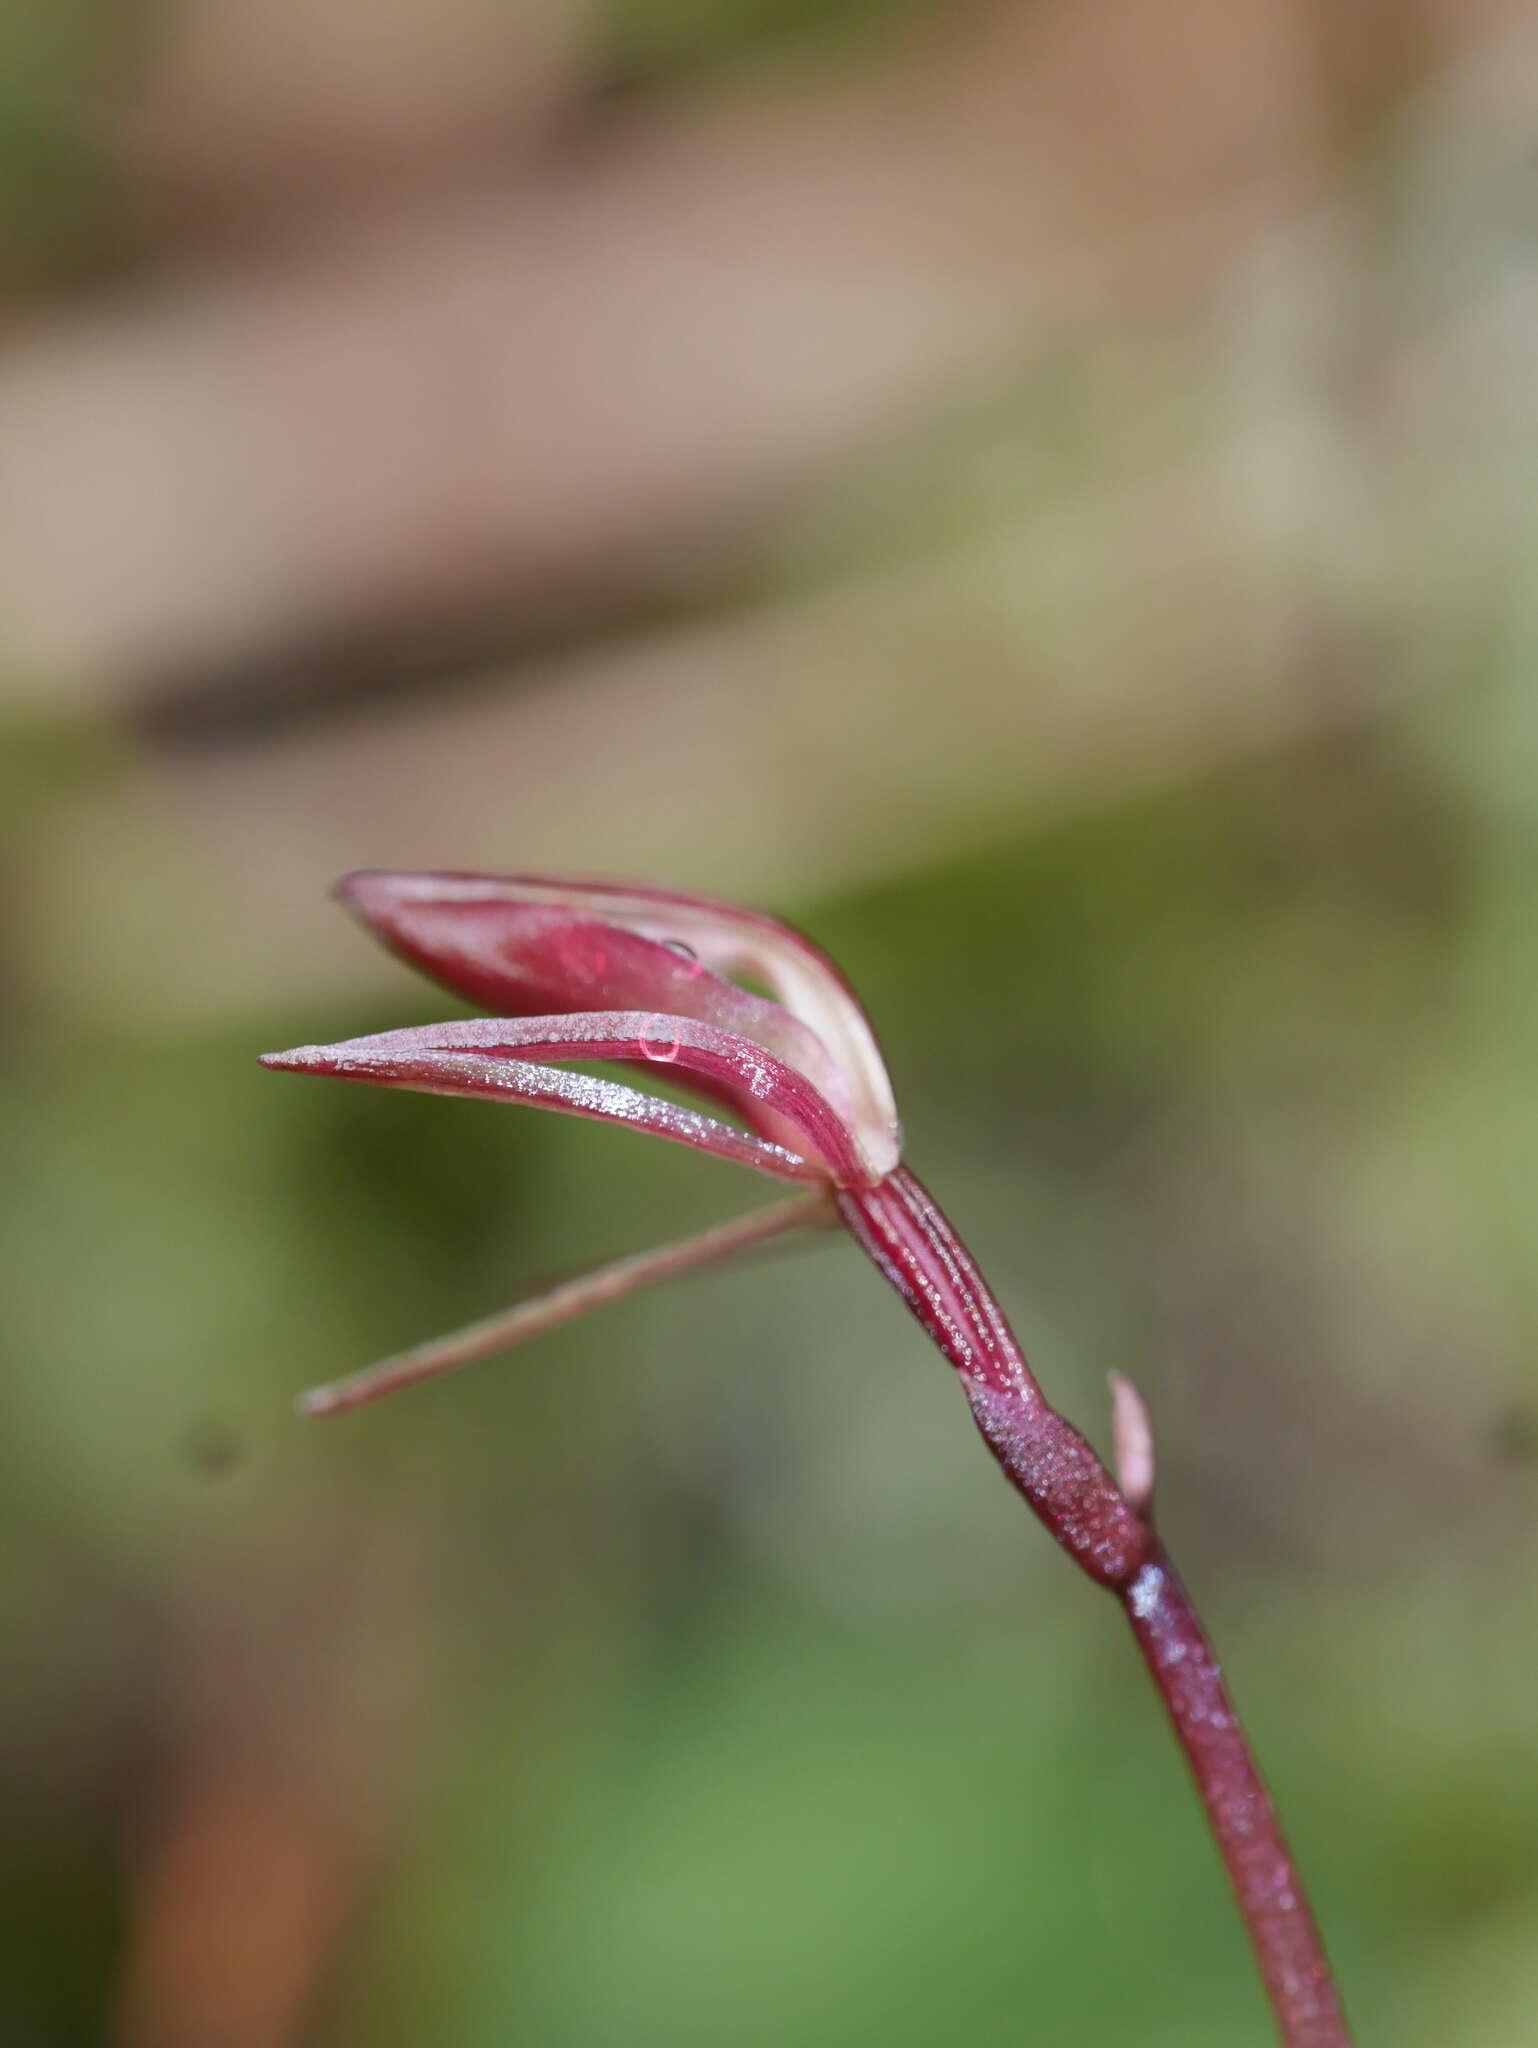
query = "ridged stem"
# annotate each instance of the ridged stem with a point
(1114, 1541)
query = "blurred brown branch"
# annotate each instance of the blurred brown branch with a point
(565, 395)
(569, 372)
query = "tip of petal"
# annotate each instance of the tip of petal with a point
(376, 893)
(298, 1060)
(363, 884)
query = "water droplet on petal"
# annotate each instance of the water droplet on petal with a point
(686, 953)
(659, 1041)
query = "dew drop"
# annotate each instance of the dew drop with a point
(687, 954)
(662, 1047)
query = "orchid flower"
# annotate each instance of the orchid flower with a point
(584, 972)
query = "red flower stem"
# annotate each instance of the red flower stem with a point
(1070, 1490)
(1239, 1809)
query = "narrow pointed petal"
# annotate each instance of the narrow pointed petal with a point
(524, 957)
(479, 934)
(744, 1074)
(564, 1303)
(503, 1080)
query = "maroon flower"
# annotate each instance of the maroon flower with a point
(591, 972)
(606, 972)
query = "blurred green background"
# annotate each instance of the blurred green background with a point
(1059, 526)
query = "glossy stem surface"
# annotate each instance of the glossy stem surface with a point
(1068, 1487)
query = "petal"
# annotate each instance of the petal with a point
(484, 936)
(744, 1074)
(523, 958)
(536, 959)
(503, 1080)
